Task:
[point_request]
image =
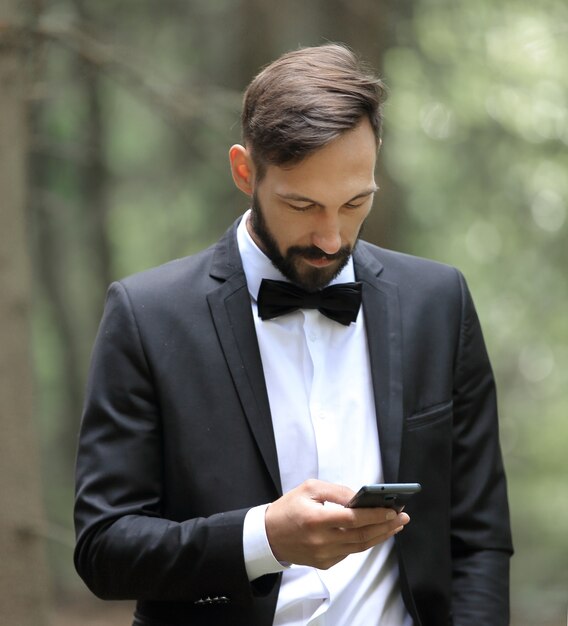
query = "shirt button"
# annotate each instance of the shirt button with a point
(312, 336)
(322, 415)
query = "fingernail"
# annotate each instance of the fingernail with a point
(397, 530)
(391, 515)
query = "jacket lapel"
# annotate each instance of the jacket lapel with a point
(232, 315)
(382, 321)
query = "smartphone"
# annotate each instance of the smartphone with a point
(387, 495)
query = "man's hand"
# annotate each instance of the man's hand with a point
(303, 531)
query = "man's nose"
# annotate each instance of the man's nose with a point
(326, 235)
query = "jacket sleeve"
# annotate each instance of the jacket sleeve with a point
(480, 531)
(126, 548)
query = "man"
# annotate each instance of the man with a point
(225, 429)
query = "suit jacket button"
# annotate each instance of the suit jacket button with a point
(212, 600)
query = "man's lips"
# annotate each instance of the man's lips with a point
(322, 261)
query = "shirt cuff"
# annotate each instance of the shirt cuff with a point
(259, 559)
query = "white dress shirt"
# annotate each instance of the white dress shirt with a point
(320, 392)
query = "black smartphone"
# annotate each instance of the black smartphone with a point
(386, 495)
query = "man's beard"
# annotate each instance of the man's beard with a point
(310, 278)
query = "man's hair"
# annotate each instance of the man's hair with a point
(304, 100)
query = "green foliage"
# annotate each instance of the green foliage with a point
(477, 134)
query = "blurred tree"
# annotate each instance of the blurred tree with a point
(23, 580)
(93, 172)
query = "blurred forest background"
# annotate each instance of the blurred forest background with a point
(115, 121)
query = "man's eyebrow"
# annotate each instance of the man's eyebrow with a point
(299, 198)
(365, 193)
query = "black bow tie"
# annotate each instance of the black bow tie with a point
(340, 303)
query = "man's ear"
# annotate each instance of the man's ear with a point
(242, 168)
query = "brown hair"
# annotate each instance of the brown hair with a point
(304, 100)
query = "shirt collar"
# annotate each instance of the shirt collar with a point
(257, 265)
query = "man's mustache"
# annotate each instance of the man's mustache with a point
(313, 252)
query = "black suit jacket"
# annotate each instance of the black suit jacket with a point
(176, 443)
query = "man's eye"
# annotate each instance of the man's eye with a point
(300, 207)
(353, 205)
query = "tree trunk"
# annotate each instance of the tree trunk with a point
(23, 575)
(94, 175)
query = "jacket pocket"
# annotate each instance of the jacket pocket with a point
(430, 415)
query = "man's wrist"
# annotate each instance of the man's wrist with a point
(259, 559)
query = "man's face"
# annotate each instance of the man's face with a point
(307, 217)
